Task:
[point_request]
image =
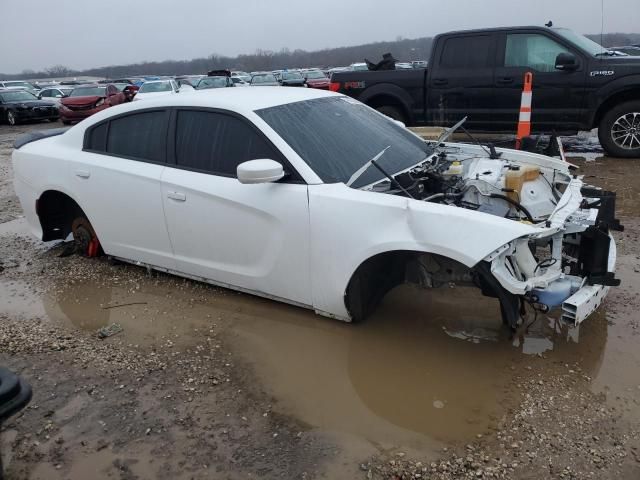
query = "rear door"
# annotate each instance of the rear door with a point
(116, 179)
(558, 96)
(461, 80)
(255, 237)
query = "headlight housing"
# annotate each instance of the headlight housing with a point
(100, 102)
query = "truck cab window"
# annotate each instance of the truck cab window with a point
(469, 51)
(531, 50)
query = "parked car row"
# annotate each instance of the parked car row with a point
(74, 100)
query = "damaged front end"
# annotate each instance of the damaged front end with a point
(569, 264)
(567, 260)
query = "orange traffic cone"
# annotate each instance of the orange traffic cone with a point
(524, 122)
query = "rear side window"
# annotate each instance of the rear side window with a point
(142, 136)
(217, 143)
(97, 138)
(473, 51)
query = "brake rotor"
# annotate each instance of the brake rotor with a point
(85, 237)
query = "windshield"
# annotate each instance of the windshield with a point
(316, 74)
(121, 86)
(155, 87)
(581, 41)
(263, 79)
(89, 92)
(17, 96)
(291, 76)
(212, 82)
(336, 136)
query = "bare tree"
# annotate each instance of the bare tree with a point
(58, 71)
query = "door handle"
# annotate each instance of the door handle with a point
(504, 81)
(83, 173)
(179, 197)
(440, 82)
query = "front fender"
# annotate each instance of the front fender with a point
(349, 226)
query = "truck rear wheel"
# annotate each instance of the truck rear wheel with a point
(619, 130)
(392, 112)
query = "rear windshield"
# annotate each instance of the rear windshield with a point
(155, 87)
(89, 92)
(212, 82)
(336, 136)
(263, 79)
(315, 75)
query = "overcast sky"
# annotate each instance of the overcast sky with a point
(36, 34)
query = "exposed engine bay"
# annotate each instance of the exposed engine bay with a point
(567, 261)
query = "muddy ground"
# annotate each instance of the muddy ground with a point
(207, 383)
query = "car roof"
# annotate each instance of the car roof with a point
(241, 100)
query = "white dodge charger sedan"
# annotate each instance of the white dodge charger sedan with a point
(312, 198)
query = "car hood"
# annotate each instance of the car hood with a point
(81, 100)
(32, 103)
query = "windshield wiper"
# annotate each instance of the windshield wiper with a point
(364, 168)
(374, 162)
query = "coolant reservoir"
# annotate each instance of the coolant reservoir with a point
(514, 179)
(455, 169)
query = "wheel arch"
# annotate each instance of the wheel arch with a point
(376, 275)
(56, 210)
(616, 98)
(388, 95)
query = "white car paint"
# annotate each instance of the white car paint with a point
(145, 94)
(299, 243)
(54, 94)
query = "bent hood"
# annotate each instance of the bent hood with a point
(81, 100)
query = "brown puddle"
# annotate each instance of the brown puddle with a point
(427, 368)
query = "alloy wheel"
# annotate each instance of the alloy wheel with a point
(11, 118)
(625, 131)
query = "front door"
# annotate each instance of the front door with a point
(557, 95)
(255, 237)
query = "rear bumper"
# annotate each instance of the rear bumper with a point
(588, 298)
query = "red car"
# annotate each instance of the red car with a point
(316, 79)
(86, 100)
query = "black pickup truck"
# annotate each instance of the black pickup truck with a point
(577, 85)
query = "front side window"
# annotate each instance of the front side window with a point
(217, 143)
(47, 93)
(532, 50)
(470, 51)
(140, 135)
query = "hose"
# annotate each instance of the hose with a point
(515, 204)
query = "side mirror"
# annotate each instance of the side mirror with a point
(566, 62)
(260, 171)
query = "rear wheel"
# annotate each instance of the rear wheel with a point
(392, 112)
(11, 118)
(66, 122)
(619, 130)
(85, 237)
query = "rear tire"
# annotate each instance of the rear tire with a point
(11, 118)
(66, 122)
(619, 130)
(392, 112)
(85, 237)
